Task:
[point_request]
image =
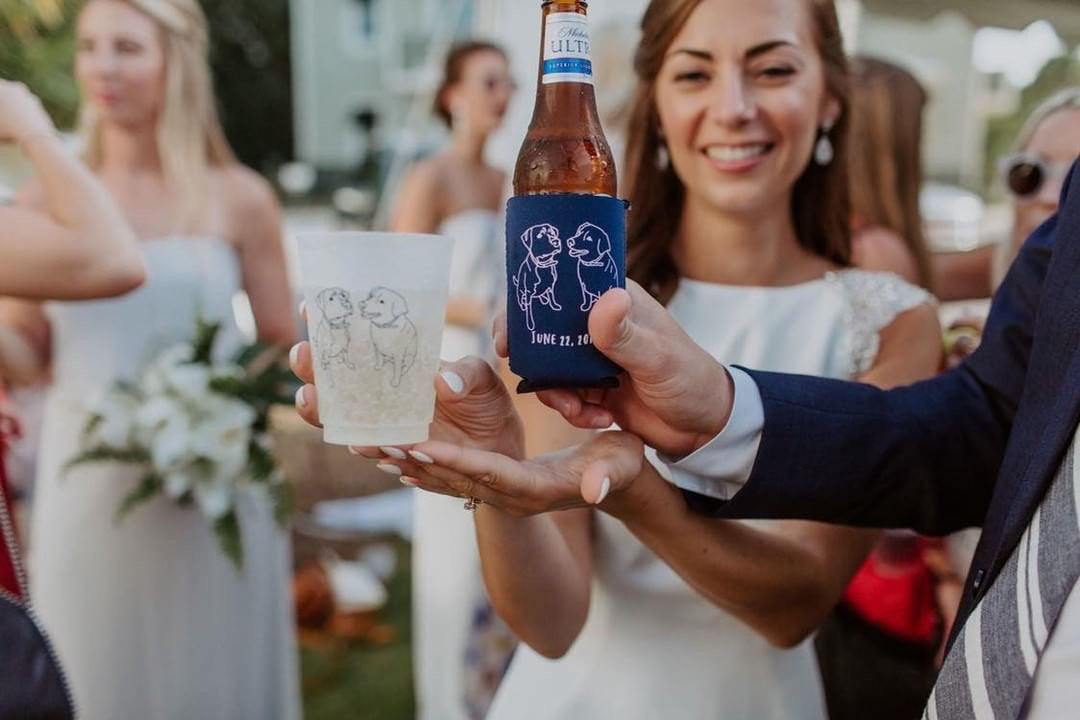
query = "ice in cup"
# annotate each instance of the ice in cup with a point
(376, 304)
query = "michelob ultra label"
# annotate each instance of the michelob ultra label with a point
(566, 49)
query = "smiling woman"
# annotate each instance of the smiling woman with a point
(738, 122)
(637, 608)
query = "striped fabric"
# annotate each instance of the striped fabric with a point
(988, 672)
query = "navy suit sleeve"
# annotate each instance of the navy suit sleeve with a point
(924, 456)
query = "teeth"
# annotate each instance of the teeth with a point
(732, 153)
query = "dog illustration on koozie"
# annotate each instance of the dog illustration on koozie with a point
(393, 335)
(596, 269)
(332, 336)
(539, 271)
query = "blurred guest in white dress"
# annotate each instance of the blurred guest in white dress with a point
(461, 648)
(149, 617)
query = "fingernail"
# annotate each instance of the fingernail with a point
(421, 457)
(389, 469)
(393, 452)
(411, 482)
(302, 307)
(354, 450)
(301, 399)
(294, 355)
(605, 488)
(453, 381)
(601, 423)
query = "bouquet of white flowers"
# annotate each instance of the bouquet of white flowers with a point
(197, 430)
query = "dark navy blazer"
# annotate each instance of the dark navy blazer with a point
(976, 446)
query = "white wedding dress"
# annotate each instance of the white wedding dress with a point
(150, 619)
(652, 647)
(454, 646)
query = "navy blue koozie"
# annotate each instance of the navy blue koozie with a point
(563, 251)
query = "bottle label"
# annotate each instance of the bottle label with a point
(566, 49)
(563, 251)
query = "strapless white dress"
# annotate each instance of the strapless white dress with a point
(652, 647)
(148, 616)
(452, 634)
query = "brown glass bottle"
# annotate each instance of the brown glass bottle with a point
(565, 150)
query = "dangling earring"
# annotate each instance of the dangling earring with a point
(823, 151)
(663, 159)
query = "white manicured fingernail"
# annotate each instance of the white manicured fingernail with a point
(393, 452)
(605, 488)
(302, 307)
(389, 469)
(411, 482)
(301, 400)
(354, 450)
(421, 457)
(294, 355)
(453, 381)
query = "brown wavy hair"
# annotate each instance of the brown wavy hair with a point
(454, 71)
(886, 154)
(820, 206)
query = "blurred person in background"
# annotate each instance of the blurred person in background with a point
(1033, 174)
(81, 248)
(1048, 144)
(461, 647)
(148, 615)
(877, 649)
(637, 608)
(885, 166)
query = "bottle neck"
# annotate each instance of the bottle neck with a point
(564, 88)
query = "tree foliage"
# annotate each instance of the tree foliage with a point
(249, 57)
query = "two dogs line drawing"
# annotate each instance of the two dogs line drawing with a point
(393, 335)
(538, 273)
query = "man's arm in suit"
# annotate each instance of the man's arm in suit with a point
(924, 456)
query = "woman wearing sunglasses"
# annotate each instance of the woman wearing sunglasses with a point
(1048, 145)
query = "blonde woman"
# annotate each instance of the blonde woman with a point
(149, 618)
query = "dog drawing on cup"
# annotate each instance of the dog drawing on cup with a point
(538, 272)
(393, 335)
(332, 336)
(596, 269)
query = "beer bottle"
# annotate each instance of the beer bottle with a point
(565, 227)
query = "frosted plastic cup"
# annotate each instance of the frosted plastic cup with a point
(376, 305)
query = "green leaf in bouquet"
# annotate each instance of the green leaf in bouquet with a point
(102, 453)
(92, 424)
(281, 496)
(227, 529)
(246, 356)
(203, 345)
(148, 487)
(261, 463)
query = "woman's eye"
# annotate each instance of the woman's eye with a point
(777, 71)
(128, 47)
(691, 76)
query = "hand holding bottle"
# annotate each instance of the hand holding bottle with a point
(673, 394)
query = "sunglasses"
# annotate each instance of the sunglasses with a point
(1024, 175)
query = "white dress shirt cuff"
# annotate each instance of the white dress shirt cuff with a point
(720, 467)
